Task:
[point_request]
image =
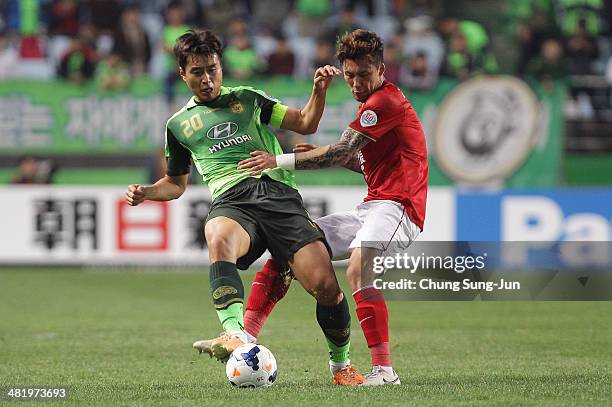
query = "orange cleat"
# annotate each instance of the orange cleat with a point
(348, 377)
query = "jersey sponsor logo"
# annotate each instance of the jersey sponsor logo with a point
(231, 142)
(222, 131)
(223, 291)
(368, 118)
(485, 129)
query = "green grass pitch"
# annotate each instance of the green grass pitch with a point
(124, 338)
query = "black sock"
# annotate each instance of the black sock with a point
(335, 321)
(225, 284)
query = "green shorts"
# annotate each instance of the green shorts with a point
(273, 215)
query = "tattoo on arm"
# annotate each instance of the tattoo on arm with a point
(339, 154)
(353, 164)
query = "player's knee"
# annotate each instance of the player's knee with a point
(219, 245)
(326, 290)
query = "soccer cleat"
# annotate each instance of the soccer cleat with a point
(204, 346)
(221, 348)
(380, 376)
(348, 377)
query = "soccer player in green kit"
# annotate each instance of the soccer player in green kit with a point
(219, 127)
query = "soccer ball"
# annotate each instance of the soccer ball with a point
(251, 365)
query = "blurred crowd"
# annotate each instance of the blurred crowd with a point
(110, 41)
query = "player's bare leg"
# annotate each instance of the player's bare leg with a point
(227, 241)
(312, 268)
(373, 316)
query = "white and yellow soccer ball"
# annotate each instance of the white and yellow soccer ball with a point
(251, 365)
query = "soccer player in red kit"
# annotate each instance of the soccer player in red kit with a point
(386, 143)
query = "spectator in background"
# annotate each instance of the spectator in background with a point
(581, 51)
(193, 12)
(64, 18)
(571, 12)
(459, 63)
(476, 43)
(282, 60)
(103, 14)
(323, 54)
(416, 74)
(343, 23)
(26, 172)
(174, 28)
(393, 58)
(420, 37)
(550, 65)
(23, 17)
(240, 59)
(218, 16)
(131, 42)
(311, 15)
(270, 14)
(368, 4)
(406, 9)
(79, 62)
(112, 73)
(532, 32)
(33, 171)
(8, 57)
(238, 26)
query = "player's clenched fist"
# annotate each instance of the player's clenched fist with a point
(324, 76)
(135, 194)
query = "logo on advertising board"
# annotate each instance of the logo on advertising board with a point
(71, 223)
(485, 129)
(570, 224)
(566, 214)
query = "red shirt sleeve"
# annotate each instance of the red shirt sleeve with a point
(378, 115)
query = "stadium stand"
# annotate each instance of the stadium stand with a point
(115, 43)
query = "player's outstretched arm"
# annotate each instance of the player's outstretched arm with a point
(353, 164)
(306, 120)
(166, 189)
(340, 154)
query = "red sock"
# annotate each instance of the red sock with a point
(374, 320)
(268, 288)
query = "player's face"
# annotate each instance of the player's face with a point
(363, 77)
(204, 76)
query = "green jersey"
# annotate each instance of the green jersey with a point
(215, 136)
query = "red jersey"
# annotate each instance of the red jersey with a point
(394, 163)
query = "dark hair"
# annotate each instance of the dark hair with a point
(195, 43)
(361, 44)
